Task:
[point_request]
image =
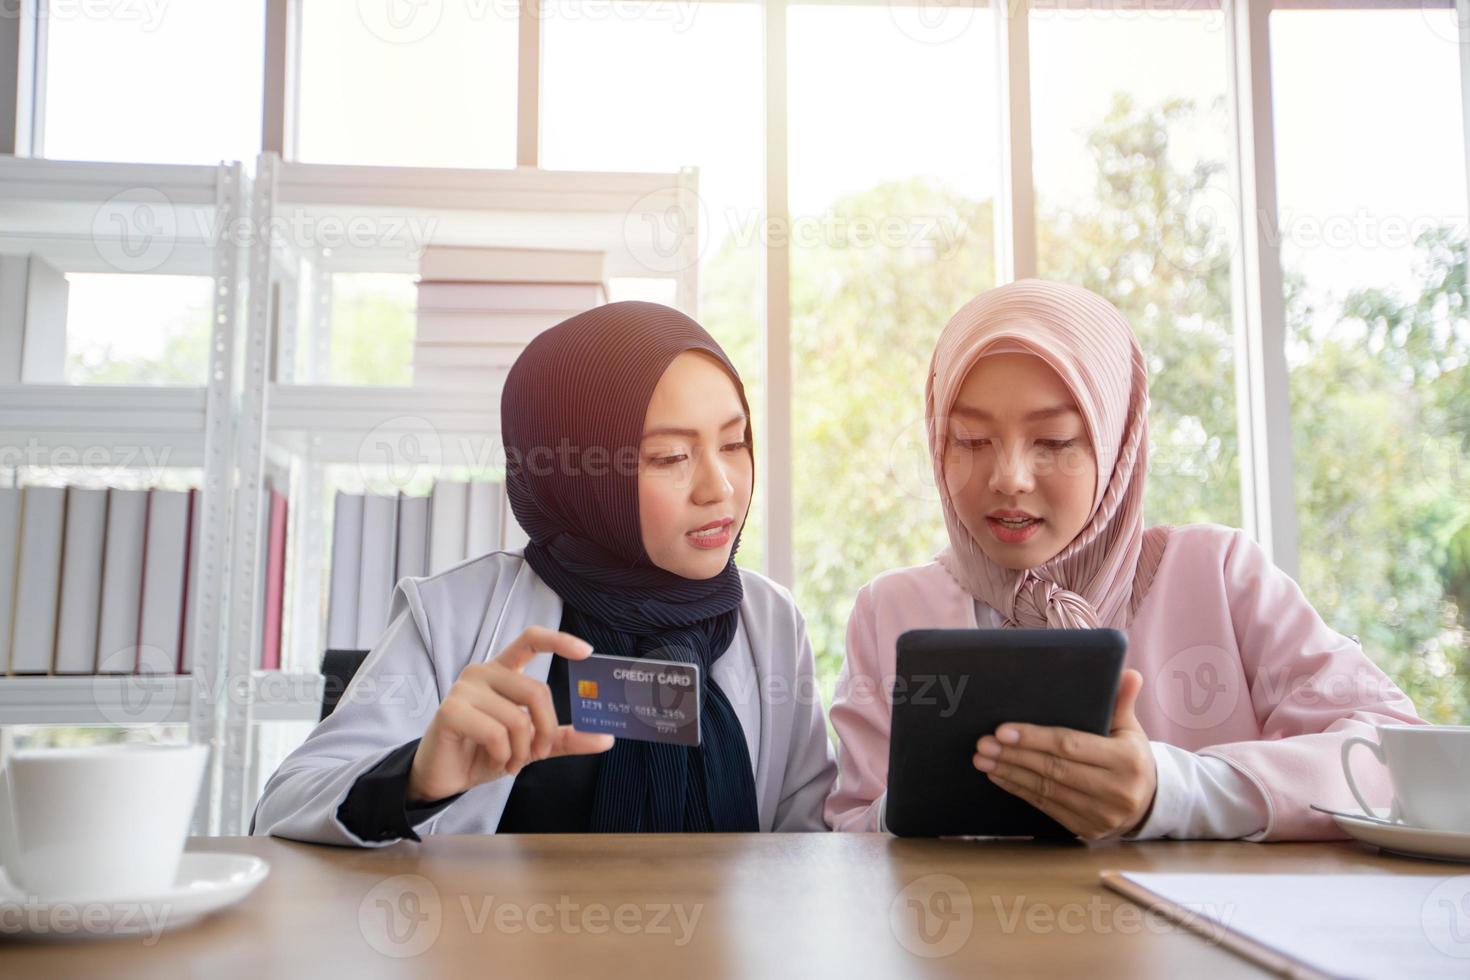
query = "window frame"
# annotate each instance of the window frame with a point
(1268, 500)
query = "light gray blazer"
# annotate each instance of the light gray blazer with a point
(440, 624)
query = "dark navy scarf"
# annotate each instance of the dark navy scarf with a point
(572, 414)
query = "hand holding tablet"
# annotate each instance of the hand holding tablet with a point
(1097, 786)
(1045, 683)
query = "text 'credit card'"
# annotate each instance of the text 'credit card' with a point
(627, 697)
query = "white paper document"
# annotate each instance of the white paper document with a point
(1338, 925)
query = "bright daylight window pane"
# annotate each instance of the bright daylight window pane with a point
(893, 168)
(1131, 146)
(408, 84)
(175, 82)
(1372, 189)
(655, 87)
(372, 328)
(137, 329)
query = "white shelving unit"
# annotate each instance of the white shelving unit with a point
(257, 413)
(121, 217)
(344, 219)
(64, 421)
(143, 699)
(103, 217)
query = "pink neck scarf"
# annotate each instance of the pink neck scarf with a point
(1084, 338)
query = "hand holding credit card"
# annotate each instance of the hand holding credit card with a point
(495, 719)
(630, 697)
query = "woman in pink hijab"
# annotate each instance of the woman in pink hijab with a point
(1237, 696)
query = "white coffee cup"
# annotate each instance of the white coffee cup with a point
(98, 823)
(1430, 769)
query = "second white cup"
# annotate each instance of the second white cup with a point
(1430, 769)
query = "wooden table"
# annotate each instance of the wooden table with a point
(758, 905)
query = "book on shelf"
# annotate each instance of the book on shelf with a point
(262, 564)
(81, 581)
(413, 537)
(122, 581)
(187, 645)
(164, 573)
(38, 579)
(513, 538)
(469, 263)
(483, 521)
(433, 326)
(448, 509)
(474, 381)
(479, 307)
(96, 580)
(346, 559)
(275, 582)
(493, 358)
(9, 557)
(12, 317)
(509, 301)
(33, 301)
(379, 556)
(379, 539)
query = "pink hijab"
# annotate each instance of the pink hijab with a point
(1098, 579)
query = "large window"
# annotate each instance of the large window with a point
(408, 84)
(175, 82)
(893, 129)
(893, 163)
(1370, 167)
(1130, 132)
(659, 86)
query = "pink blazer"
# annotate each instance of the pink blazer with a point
(1235, 661)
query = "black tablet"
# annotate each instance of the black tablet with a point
(953, 686)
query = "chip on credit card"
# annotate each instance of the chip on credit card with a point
(631, 697)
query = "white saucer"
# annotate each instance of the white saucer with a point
(1399, 838)
(206, 882)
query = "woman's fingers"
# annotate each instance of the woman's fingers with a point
(518, 727)
(1124, 718)
(469, 722)
(1110, 799)
(569, 741)
(1046, 789)
(538, 639)
(478, 691)
(501, 698)
(1066, 816)
(1096, 750)
(1100, 781)
(535, 696)
(512, 716)
(1089, 779)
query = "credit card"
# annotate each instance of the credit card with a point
(629, 697)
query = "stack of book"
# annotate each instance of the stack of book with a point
(97, 580)
(479, 307)
(377, 540)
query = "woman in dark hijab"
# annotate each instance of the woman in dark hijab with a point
(629, 465)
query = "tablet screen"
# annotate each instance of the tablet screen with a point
(953, 686)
